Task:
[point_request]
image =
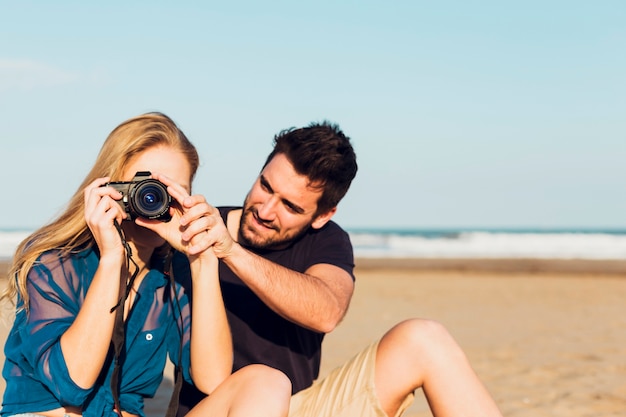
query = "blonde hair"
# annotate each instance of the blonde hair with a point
(69, 233)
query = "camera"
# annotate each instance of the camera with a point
(144, 197)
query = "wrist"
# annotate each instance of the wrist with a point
(236, 252)
(203, 260)
(111, 259)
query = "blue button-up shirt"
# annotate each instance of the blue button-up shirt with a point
(37, 378)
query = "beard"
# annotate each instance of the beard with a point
(275, 239)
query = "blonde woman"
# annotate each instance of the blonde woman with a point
(97, 312)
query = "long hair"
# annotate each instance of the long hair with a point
(69, 232)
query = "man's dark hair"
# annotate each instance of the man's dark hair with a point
(324, 155)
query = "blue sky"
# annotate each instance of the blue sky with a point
(463, 114)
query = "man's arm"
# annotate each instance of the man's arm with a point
(317, 299)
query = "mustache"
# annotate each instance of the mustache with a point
(252, 211)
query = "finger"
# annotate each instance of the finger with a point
(177, 191)
(108, 209)
(93, 196)
(197, 227)
(196, 200)
(98, 182)
(94, 185)
(200, 243)
(157, 226)
(196, 211)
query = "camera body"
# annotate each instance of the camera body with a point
(144, 197)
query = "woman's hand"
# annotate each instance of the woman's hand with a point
(192, 217)
(85, 343)
(101, 210)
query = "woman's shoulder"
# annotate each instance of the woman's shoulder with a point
(59, 258)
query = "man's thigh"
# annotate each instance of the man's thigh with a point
(348, 391)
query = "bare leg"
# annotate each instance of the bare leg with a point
(421, 353)
(253, 391)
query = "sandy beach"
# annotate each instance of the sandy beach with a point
(546, 337)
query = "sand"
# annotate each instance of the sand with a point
(547, 338)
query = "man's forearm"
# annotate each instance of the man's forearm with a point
(317, 299)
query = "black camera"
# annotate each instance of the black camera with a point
(144, 197)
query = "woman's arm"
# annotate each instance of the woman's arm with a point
(211, 348)
(86, 342)
(211, 342)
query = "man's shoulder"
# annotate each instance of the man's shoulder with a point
(224, 210)
(331, 236)
(330, 228)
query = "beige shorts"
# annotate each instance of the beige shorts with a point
(348, 391)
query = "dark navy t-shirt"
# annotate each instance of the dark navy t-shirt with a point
(262, 336)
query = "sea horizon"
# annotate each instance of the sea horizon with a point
(491, 242)
(455, 242)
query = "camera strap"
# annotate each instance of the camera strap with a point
(118, 336)
(172, 408)
(119, 328)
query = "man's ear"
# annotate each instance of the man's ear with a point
(323, 218)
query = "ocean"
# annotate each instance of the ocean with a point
(491, 243)
(595, 244)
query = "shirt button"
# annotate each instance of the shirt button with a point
(149, 336)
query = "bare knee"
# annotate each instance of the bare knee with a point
(265, 380)
(266, 375)
(407, 356)
(252, 391)
(420, 340)
(420, 331)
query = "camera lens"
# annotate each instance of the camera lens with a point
(150, 199)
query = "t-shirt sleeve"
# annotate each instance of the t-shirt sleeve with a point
(330, 245)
